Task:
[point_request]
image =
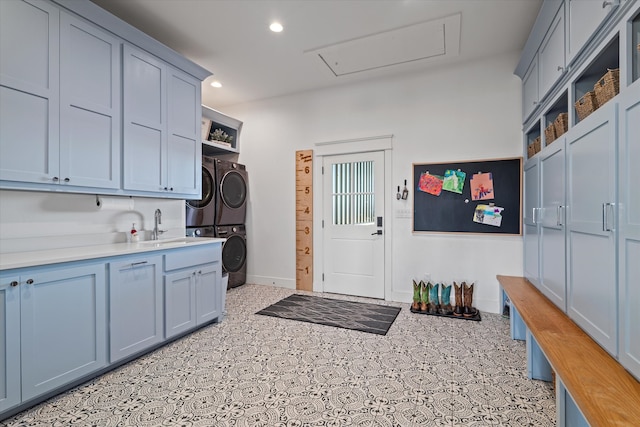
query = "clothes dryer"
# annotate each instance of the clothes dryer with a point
(234, 253)
(231, 193)
(202, 212)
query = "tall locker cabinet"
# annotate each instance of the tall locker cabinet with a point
(530, 220)
(629, 229)
(591, 242)
(552, 223)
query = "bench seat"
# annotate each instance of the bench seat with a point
(588, 379)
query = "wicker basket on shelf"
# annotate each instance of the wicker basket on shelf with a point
(608, 86)
(533, 148)
(561, 124)
(549, 134)
(586, 105)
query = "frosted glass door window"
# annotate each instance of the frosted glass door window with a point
(353, 193)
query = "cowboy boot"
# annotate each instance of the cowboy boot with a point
(469, 311)
(434, 304)
(445, 300)
(458, 311)
(424, 297)
(416, 296)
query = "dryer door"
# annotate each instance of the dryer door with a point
(201, 212)
(233, 189)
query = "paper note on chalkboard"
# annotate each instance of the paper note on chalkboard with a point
(488, 215)
(431, 184)
(482, 186)
(453, 180)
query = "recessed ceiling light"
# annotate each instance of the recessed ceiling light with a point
(276, 27)
(216, 83)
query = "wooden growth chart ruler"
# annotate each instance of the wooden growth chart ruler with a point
(304, 220)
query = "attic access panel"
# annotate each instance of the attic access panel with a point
(416, 42)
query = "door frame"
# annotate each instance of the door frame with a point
(351, 146)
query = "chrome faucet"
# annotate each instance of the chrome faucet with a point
(158, 220)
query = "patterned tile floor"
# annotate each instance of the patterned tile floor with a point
(253, 370)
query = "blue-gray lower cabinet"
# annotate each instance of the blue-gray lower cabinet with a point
(62, 326)
(135, 305)
(52, 329)
(192, 293)
(9, 342)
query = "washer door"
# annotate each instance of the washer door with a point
(208, 191)
(233, 190)
(234, 253)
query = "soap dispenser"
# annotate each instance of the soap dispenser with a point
(134, 233)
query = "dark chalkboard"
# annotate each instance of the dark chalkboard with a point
(451, 212)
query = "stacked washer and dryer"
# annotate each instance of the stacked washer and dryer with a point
(221, 212)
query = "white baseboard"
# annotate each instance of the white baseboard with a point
(272, 281)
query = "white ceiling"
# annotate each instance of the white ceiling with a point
(231, 38)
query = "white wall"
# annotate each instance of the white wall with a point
(31, 220)
(471, 112)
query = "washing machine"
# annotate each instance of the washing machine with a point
(234, 253)
(231, 193)
(202, 212)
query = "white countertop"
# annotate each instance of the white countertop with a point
(53, 256)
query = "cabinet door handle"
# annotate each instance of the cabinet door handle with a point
(559, 221)
(560, 68)
(134, 264)
(606, 3)
(30, 282)
(55, 179)
(535, 215)
(606, 207)
(14, 283)
(67, 179)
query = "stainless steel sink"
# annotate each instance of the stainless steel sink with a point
(178, 241)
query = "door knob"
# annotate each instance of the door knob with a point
(377, 233)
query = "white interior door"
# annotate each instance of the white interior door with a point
(353, 234)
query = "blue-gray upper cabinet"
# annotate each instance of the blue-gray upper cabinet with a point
(530, 89)
(591, 235)
(584, 19)
(9, 342)
(629, 228)
(62, 326)
(135, 305)
(551, 55)
(59, 100)
(162, 148)
(29, 91)
(552, 223)
(90, 107)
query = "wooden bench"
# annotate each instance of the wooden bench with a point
(592, 388)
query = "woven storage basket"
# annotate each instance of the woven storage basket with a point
(536, 145)
(530, 151)
(549, 134)
(561, 124)
(586, 105)
(607, 87)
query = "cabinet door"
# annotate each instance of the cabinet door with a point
(9, 342)
(629, 229)
(135, 309)
(591, 244)
(584, 18)
(145, 112)
(530, 89)
(63, 326)
(179, 302)
(553, 281)
(29, 91)
(552, 54)
(89, 105)
(184, 159)
(208, 292)
(530, 220)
